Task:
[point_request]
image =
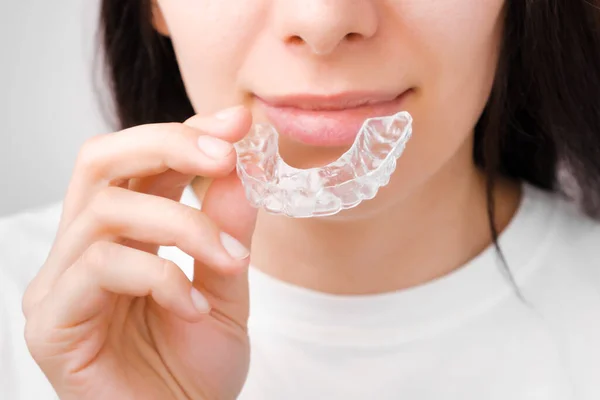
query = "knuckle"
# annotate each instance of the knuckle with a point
(107, 195)
(189, 214)
(29, 300)
(175, 136)
(32, 333)
(89, 160)
(37, 335)
(33, 329)
(101, 203)
(195, 222)
(174, 128)
(169, 273)
(97, 255)
(33, 293)
(165, 134)
(41, 338)
(163, 138)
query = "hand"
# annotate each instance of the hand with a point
(109, 319)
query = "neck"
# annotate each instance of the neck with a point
(410, 242)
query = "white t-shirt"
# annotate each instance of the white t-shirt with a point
(465, 336)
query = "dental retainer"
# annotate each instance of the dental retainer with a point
(356, 176)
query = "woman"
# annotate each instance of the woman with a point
(469, 276)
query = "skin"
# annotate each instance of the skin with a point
(107, 318)
(446, 51)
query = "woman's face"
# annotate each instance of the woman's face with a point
(317, 68)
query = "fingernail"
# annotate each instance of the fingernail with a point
(227, 113)
(200, 301)
(234, 248)
(214, 147)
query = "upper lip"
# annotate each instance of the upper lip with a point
(329, 102)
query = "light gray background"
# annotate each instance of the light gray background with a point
(48, 100)
(48, 105)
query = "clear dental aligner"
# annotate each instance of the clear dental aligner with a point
(356, 176)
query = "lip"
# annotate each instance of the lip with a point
(328, 120)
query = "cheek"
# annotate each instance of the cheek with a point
(455, 43)
(211, 40)
(460, 43)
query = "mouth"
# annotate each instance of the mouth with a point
(328, 120)
(356, 176)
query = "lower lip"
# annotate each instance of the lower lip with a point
(327, 128)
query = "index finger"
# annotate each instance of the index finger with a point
(144, 152)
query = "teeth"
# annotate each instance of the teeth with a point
(356, 176)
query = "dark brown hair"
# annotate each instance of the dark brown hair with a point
(543, 113)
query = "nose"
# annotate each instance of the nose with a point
(322, 25)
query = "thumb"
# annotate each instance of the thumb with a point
(226, 205)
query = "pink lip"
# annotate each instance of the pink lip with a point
(332, 120)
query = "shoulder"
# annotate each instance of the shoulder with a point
(553, 250)
(569, 259)
(562, 286)
(25, 240)
(573, 237)
(563, 254)
(557, 226)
